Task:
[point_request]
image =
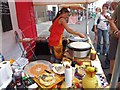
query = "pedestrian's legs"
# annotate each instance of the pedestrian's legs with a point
(107, 62)
(99, 34)
(105, 42)
(95, 38)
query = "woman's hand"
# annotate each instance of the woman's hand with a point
(81, 35)
(117, 33)
(95, 29)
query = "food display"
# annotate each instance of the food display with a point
(47, 79)
(76, 83)
(77, 39)
(79, 49)
(34, 69)
(80, 45)
(82, 66)
(38, 69)
(58, 68)
(90, 80)
(66, 61)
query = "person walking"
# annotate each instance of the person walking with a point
(107, 60)
(96, 15)
(114, 37)
(102, 31)
(56, 34)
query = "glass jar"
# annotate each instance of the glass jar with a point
(93, 55)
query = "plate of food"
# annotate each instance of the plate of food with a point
(36, 68)
(58, 68)
(47, 79)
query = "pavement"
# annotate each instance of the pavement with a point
(43, 30)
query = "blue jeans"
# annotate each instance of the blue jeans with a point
(107, 61)
(102, 34)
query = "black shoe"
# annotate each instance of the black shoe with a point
(108, 77)
(119, 79)
(106, 67)
(98, 53)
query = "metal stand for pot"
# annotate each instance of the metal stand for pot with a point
(116, 70)
(73, 58)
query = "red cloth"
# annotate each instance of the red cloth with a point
(55, 33)
(26, 22)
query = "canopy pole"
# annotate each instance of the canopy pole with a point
(87, 28)
(116, 70)
(58, 6)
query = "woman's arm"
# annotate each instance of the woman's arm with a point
(50, 28)
(112, 21)
(114, 28)
(63, 22)
(96, 22)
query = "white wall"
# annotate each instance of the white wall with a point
(99, 3)
(10, 48)
(49, 7)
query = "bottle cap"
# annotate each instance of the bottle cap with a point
(73, 63)
(93, 51)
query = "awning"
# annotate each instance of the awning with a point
(58, 2)
(72, 6)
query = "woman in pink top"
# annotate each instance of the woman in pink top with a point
(73, 19)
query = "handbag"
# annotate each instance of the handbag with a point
(98, 21)
(93, 28)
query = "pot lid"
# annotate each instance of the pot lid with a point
(77, 38)
(79, 45)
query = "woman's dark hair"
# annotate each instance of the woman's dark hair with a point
(63, 10)
(98, 8)
(113, 5)
(105, 5)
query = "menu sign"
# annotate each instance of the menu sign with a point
(5, 16)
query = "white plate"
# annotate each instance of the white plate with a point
(28, 66)
(58, 68)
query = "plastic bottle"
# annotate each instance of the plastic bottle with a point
(73, 68)
(18, 79)
(0, 57)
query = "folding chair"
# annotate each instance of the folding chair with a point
(28, 42)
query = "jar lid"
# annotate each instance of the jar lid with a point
(93, 51)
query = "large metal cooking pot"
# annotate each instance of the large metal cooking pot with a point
(79, 49)
(77, 39)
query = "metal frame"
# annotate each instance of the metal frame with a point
(116, 70)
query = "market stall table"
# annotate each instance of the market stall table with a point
(60, 83)
(96, 63)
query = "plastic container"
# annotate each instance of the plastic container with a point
(68, 76)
